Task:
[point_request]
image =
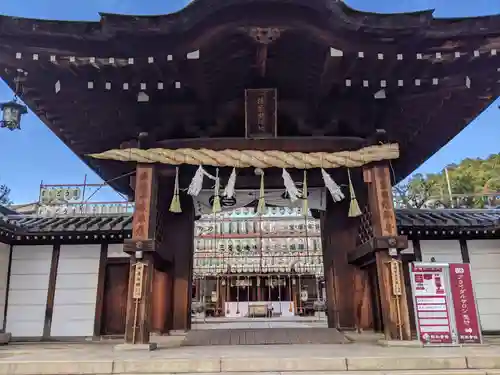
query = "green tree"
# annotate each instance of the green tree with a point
(4, 195)
(473, 183)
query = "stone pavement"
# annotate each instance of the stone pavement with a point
(354, 359)
(265, 335)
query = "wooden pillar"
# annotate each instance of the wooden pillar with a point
(394, 309)
(137, 327)
(160, 300)
(181, 240)
(339, 234)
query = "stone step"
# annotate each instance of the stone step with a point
(429, 365)
(412, 372)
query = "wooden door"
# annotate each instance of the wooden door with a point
(115, 298)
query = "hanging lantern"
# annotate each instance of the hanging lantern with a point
(11, 114)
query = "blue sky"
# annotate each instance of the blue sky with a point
(35, 154)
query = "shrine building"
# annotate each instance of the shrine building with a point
(257, 143)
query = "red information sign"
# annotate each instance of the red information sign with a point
(431, 304)
(464, 304)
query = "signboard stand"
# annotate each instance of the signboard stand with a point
(444, 303)
(465, 309)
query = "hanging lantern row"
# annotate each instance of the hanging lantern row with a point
(96, 61)
(435, 56)
(13, 110)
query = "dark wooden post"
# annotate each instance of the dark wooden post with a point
(140, 247)
(181, 240)
(160, 303)
(338, 234)
(394, 308)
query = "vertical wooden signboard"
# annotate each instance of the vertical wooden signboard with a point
(261, 113)
(137, 327)
(394, 305)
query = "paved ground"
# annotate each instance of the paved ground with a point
(101, 358)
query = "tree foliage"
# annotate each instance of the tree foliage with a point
(473, 184)
(4, 195)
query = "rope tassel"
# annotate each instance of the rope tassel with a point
(229, 189)
(261, 208)
(290, 187)
(216, 205)
(354, 209)
(175, 205)
(332, 186)
(305, 207)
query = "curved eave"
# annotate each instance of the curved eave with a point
(197, 11)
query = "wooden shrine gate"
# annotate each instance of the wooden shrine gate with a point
(161, 249)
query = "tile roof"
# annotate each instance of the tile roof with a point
(58, 224)
(465, 219)
(468, 219)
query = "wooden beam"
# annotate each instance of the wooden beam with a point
(394, 308)
(49, 309)
(262, 59)
(137, 327)
(101, 281)
(370, 247)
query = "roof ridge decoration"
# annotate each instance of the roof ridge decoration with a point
(198, 10)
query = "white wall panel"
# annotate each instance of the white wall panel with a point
(76, 290)
(28, 287)
(444, 251)
(116, 251)
(4, 275)
(485, 265)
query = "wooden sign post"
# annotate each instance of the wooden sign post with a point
(141, 247)
(390, 278)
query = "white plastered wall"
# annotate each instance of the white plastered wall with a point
(484, 258)
(443, 251)
(28, 288)
(76, 291)
(116, 251)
